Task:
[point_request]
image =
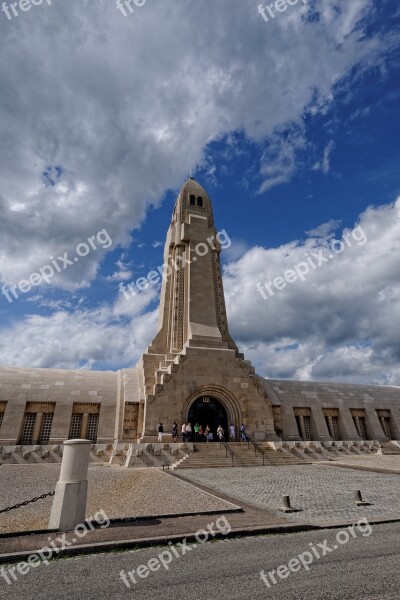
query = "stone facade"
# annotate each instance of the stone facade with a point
(192, 361)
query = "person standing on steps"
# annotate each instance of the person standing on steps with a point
(242, 433)
(175, 432)
(189, 432)
(184, 432)
(196, 432)
(220, 433)
(232, 433)
(207, 433)
(160, 433)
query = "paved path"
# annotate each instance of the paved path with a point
(323, 493)
(365, 568)
(117, 492)
(373, 462)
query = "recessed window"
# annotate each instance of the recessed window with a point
(46, 428)
(92, 428)
(192, 201)
(200, 201)
(27, 432)
(76, 426)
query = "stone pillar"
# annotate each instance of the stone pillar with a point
(37, 429)
(289, 425)
(69, 504)
(140, 427)
(330, 426)
(394, 425)
(12, 422)
(120, 407)
(140, 419)
(347, 429)
(373, 426)
(84, 425)
(382, 421)
(61, 423)
(319, 426)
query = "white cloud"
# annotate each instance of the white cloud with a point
(341, 323)
(98, 120)
(325, 164)
(80, 339)
(93, 135)
(324, 230)
(279, 159)
(123, 273)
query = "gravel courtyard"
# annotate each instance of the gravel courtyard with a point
(323, 493)
(118, 492)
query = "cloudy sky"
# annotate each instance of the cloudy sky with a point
(292, 126)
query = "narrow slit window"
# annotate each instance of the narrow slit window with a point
(46, 428)
(76, 425)
(29, 424)
(92, 428)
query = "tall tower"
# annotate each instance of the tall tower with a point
(193, 366)
(192, 307)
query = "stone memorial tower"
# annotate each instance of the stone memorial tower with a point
(193, 370)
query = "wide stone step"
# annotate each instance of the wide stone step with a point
(210, 455)
(388, 448)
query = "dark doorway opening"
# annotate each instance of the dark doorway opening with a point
(209, 411)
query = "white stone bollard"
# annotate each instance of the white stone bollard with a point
(69, 504)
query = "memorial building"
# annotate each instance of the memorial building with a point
(192, 371)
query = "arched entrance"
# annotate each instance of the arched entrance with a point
(209, 411)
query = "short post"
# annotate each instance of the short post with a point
(286, 508)
(69, 504)
(358, 499)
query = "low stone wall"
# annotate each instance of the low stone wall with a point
(125, 455)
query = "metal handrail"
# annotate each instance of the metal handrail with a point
(227, 449)
(256, 447)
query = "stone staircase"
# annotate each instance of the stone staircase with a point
(389, 448)
(210, 455)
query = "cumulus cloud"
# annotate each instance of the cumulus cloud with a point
(98, 120)
(341, 322)
(325, 229)
(97, 338)
(122, 274)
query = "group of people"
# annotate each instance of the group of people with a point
(195, 434)
(232, 433)
(200, 434)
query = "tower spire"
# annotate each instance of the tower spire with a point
(192, 307)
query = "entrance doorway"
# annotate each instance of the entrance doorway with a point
(209, 411)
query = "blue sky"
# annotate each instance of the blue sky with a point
(290, 125)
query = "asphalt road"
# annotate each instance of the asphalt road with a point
(366, 567)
